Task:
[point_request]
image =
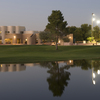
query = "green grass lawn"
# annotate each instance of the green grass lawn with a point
(36, 53)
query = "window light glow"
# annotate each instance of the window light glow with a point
(70, 61)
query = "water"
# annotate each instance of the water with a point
(71, 80)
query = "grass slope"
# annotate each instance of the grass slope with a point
(35, 53)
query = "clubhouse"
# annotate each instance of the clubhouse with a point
(19, 35)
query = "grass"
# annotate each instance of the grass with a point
(36, 53)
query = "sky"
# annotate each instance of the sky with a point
(33, 14)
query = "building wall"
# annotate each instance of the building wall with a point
(10, 29)
(19, 29)
(14, 37)
(3, 31)
(70, 36)
(14, 33)
(31, 40)
(38, 38)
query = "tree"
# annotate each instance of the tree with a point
(96, 33)
(71, 29)
(78, 34)
(85, 30)
(44, 36)
(56, 26)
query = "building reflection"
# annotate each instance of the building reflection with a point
(16, 67)
(12, 67)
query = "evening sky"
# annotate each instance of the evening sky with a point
(33, 14)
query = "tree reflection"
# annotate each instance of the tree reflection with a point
(58, 79)
(96, 65)
(84, 64)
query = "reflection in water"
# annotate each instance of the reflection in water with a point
(89, 64)
(15, 67)
(58, 79)
(95, 70)
(59, 75)
(12, 67)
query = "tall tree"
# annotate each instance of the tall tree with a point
(56, 25)
(96, 33)
(71, 29)
(78, 34)
(85, 29)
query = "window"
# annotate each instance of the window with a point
(5, 31)
(21, 32)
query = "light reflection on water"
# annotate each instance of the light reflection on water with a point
(58, 80)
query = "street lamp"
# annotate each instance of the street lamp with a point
(98, 21)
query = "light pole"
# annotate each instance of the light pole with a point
(93, 19)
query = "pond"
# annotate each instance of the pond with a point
(58, 80)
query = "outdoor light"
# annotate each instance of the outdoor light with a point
(84, 42)
(93, 75)
(26, 39)
(98, 21)
(59, 41)
(70, 61)
(98, 71)
(14, 37)
(93, 14)
(93, 19)
(70, 37)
